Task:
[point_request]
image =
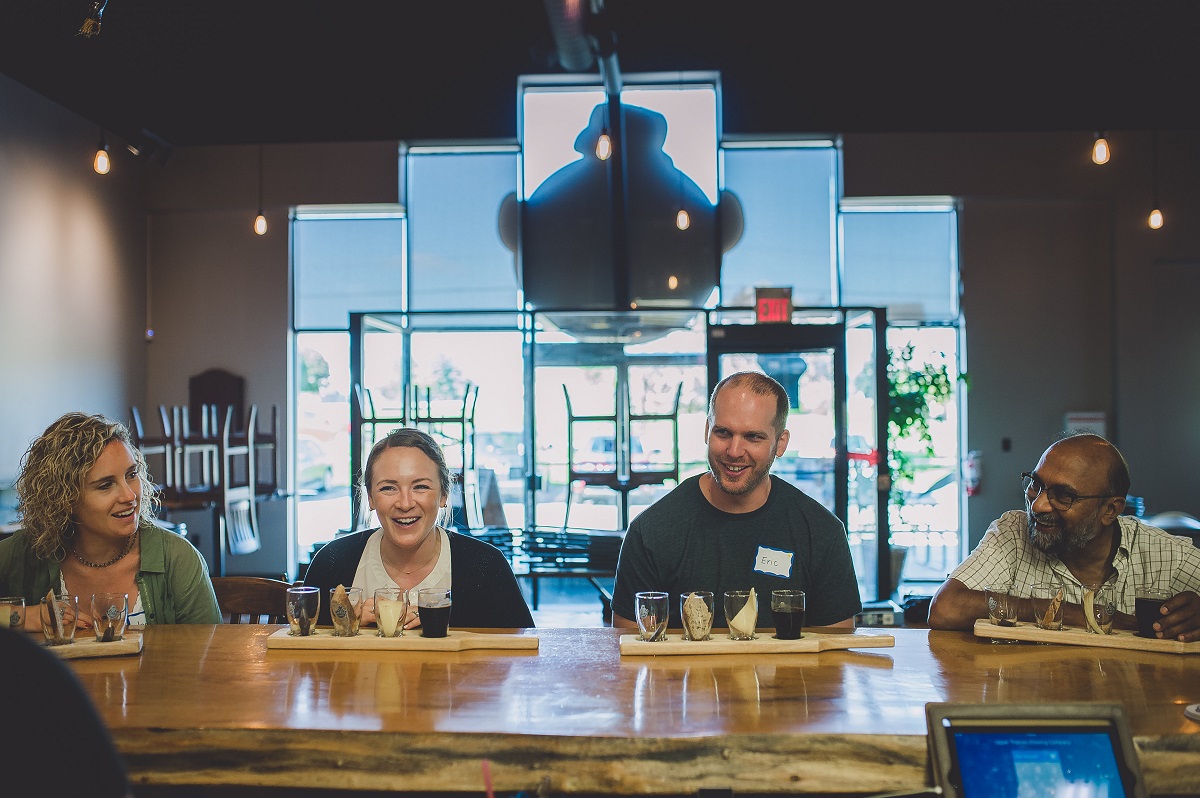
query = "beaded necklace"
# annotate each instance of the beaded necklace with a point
(128, 548)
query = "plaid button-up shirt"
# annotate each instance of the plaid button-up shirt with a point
(1147, 557)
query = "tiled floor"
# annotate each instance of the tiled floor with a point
(565, 603)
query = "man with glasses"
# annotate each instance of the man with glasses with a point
(1072, 531)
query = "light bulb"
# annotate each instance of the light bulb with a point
(260, 224)
(682, 220)
(1156, 219)
(102, 163)
(672, 282)
(604, 147)
(1100, 150)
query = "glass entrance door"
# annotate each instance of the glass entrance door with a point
(831, 371)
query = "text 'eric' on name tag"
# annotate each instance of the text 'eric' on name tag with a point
(773, 562)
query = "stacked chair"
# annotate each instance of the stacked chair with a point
(208, 456)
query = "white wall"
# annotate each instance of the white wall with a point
(220, 294)
(1071, 301)
(72, 277)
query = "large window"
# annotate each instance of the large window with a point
(788, 193)
(902, 254)
(457, 259)
(443, 272)
(345, 259)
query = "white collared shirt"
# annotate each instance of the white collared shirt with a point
(371, 574)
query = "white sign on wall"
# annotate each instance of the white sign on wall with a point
(1086, 421)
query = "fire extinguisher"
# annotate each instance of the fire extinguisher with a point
(972, 472)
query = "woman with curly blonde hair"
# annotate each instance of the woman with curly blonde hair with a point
(87, 509)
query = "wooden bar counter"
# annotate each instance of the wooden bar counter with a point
(207, 705)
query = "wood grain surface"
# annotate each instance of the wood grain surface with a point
(206, 705)
(1120, 638)
(367, 640)
(764, 643)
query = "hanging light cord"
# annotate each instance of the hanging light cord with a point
(260, 179)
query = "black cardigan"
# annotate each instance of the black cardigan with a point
(486, 594)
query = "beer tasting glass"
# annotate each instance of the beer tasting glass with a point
(303, 605)
(651, 608)
(391, 607)
(1048, 602)
(1099, 608)
(787, 610)
(58, 619)
(12, 612)
(347, 627)
(696, 612)
(109, 613)
(740, 617)
(1147, 608)
(1002, 607)
(433, 605)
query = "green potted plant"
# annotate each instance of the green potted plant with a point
(918, 393)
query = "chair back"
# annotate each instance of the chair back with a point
(366, 404)
(251, 599)
(219, 388)
(240, 514)
(153, 447)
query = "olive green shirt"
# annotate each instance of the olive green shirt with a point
(172, 579)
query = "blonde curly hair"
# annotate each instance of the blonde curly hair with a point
(52, 473)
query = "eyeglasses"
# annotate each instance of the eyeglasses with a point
(1059, 498)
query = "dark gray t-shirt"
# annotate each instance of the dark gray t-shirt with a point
(682, 543)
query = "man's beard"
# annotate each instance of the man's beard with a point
(1071, 538)
(758, 473)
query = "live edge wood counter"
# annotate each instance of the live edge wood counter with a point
(205, 705)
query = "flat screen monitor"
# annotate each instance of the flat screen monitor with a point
(1081, 750)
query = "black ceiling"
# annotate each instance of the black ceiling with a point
(269, 71)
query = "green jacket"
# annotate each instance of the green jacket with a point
(172, 580)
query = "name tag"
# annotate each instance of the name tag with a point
(773, 562)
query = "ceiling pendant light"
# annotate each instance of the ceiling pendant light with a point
(1100, 149)
(683, 219)
(1155, 219)
(260, 221)
(604, 146)
(102, 163)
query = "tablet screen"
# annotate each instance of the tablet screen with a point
(1075, 762)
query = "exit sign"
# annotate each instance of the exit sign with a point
(773, 305)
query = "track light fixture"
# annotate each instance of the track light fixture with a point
(102, 163)
(91, 25)
(1100, 149)
(260, 221)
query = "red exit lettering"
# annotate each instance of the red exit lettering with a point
(772, 309)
